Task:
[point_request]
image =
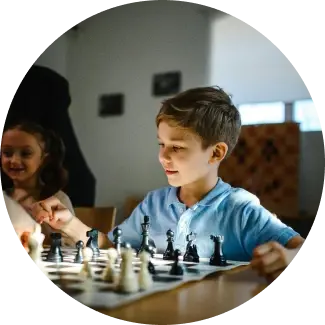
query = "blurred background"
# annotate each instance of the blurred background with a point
(101, 84)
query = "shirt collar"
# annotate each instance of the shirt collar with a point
(220, 188)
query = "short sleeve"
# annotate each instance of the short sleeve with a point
(131, 227)
(259, 226)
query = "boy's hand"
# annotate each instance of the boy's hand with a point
(271, 259)
(52, 212)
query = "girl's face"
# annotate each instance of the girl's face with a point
(21, 156)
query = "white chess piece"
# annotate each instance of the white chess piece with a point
(86, 270)
(145, 278)
(128, 282)
(109, 273)
(35, 245)
(35, 249)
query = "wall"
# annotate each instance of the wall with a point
(119, 51)
(55, 56)
(250, 67)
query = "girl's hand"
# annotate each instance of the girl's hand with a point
(52, 212)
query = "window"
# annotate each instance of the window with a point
(304, 112)
(262, 113)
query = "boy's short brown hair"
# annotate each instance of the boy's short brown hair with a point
(207, 111)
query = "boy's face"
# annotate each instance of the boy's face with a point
(181, 155)
(21, 155)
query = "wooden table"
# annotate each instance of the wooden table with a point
(194, 301)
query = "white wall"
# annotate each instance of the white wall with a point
(249, 66)
(55, 56)
(119, 51)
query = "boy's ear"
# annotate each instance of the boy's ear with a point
(219, 152)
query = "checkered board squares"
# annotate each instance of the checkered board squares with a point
(99, 294)
(266, 163)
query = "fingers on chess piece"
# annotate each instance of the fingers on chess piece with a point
(128, 281)
(93, 242)
(191, 254)
(79, 246)
(218, 258)
(145, 278)
(177, 268)
(55, 254)
(86, 270)
(110, 274)
(169, 252)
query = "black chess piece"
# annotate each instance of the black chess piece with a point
(151, 268)
(169, 252)
(191, 254)
(145, 238)
(177, 268)
(79, 246)
(93, 242)
(218, 258)
(117, 233)
(55, 254)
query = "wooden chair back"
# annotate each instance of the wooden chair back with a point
(100, 218)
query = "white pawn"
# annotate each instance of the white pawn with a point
(128, 282)
(35, 245)
(109, 273)
(145, 278)
(86, 271)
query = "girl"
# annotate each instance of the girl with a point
(32, 166)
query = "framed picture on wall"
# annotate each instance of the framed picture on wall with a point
(111, 105)
(165, 84)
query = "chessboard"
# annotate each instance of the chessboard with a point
(94, 292)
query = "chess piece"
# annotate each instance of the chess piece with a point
(109, 273)
(128, 282)
(177, 268)
(93, 242)
(86, 271)
(35, 246)
(169, 252)
(218, 258)
(191, 254)
(24, 240)
(55, 254)
(145, 278)
(79, 246)
(117, 233)
(151, 267)
(145, 238)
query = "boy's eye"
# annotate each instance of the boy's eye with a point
(160, 144)
(175, 148)
(7, 153)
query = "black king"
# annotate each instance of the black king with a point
(145, 238)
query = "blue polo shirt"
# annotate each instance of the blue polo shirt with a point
(231, 212)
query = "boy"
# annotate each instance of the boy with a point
(197, 130)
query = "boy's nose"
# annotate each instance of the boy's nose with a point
(15, 160)
(164, 156)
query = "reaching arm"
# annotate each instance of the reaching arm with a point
(76, 230)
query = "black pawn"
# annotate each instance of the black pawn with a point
(218, 258)
(117, 233)
(93, 242)
(55, 254)
(177, 268)
(169, 252)
(79, 246)
(151, 268)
